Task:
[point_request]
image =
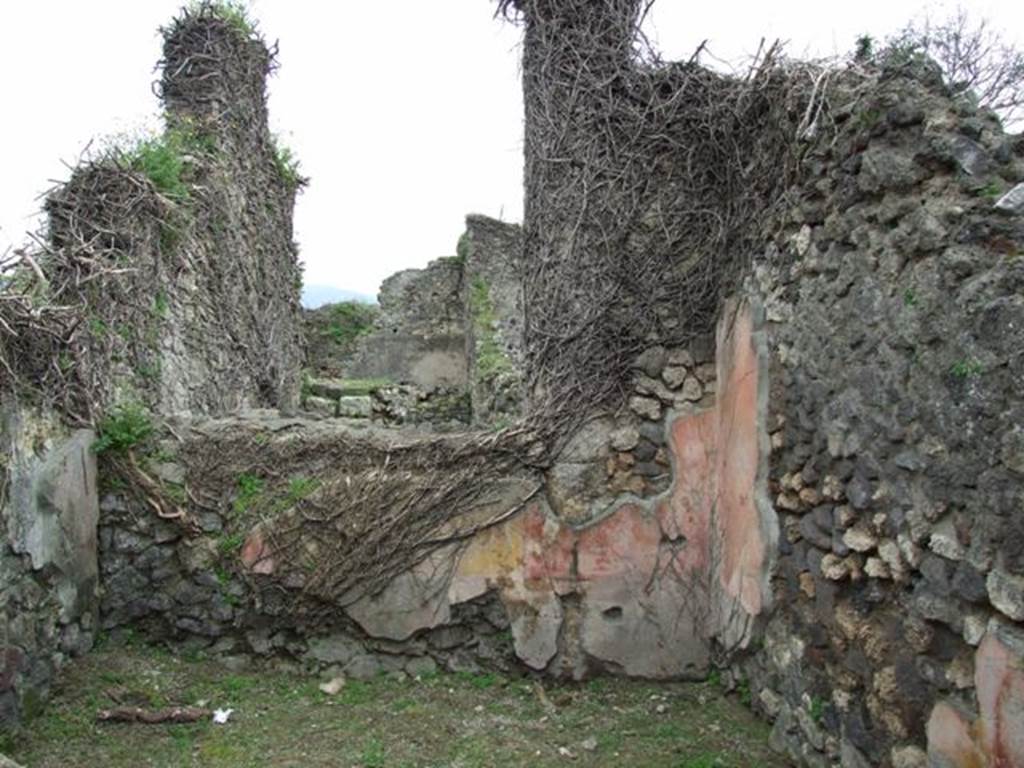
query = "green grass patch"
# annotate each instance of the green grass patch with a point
(281, 719)
(231, 543)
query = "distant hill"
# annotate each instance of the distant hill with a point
(314, 296)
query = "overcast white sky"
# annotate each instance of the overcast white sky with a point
(405, 114)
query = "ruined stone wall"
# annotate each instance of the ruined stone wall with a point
(166, 294)
(419, 336)
(331, 333)
(445, 347)
(895, 325)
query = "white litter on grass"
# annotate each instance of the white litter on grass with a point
(220, 716)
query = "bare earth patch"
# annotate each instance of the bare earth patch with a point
(283, 719)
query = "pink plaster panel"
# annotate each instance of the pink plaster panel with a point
(743, 567)
(995, 739)
(999, 678)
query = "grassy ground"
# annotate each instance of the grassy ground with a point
(463, 720)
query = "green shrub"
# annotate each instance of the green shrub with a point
(122, 429)
(349, 320)
(162, 159)
(287, 165)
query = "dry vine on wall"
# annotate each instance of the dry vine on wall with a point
(645, 185)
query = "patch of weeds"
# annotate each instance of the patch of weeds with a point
(864, 48)
(110, 483)
(170, 236)
(817, 709)
(909, 298)
(176, 493)
(500, 423)
(6, 742)
(236, 684)
(743, 692)
(163, 160)
(401, 705)
(149, 371)
(967, 368)
(231, 543)
(481, 681)
(298, 489)
(490, 359)
(670, 731)
(357, 692)
(991, 190)
(868, 119)
(462, 248)
(705, 760)
(359, 387)
(183, 738)
(250, 488)
(161, 306)
(306, 389)
(98, 327)
(715, 678)
(122, 429)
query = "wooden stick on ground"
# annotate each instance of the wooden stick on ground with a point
(151, 716)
